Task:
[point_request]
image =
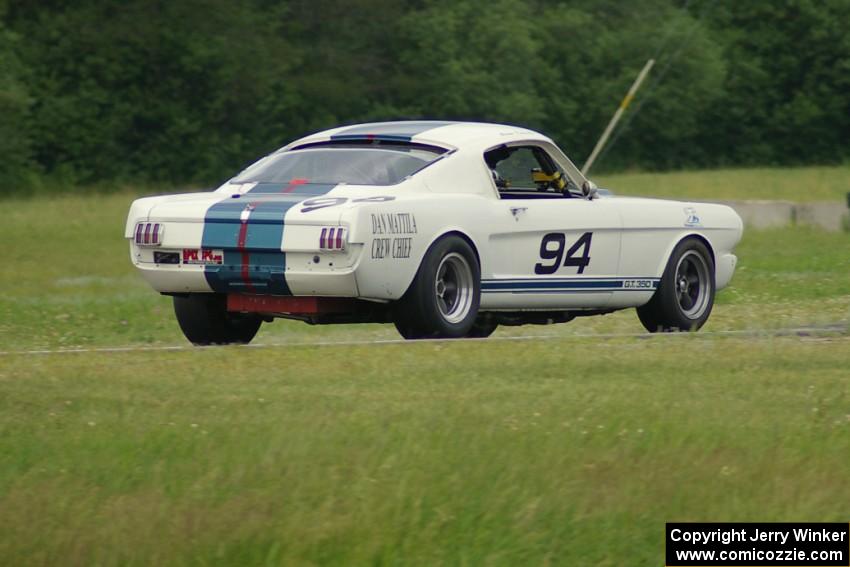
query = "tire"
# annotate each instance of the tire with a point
(482, 328)
(685, 295)
(442, 301)
(204, 320)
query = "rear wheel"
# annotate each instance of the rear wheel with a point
(685, 295)
(483, 328)
(204, 320)
(442, 301)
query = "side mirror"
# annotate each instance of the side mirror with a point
(589, 189)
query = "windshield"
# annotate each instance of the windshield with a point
(356, 166)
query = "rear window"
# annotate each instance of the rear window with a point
(385, 165)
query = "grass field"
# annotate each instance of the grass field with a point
(562, 452)
(569, 450)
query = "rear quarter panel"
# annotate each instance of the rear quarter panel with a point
(395, 236)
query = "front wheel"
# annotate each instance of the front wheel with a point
(204, 320)
(685, 294)
(442, 301)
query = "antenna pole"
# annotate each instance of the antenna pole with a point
(616, 118)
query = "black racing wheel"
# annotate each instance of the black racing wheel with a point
(442, 301)
(685, 295)
(483, 327)
(204, 320)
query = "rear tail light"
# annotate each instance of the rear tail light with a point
(333, 238)
(149, 233)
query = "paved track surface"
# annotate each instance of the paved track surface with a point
(831, 330)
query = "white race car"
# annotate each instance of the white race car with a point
(446, 229)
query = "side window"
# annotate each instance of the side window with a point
(523, 172)
(515, 170)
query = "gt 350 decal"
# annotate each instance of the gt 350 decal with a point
(638, 284)
(559, 239)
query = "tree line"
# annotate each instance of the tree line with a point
(189, 91)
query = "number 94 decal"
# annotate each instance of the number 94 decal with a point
(552, 249)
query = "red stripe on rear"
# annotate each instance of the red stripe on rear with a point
(243, 235)
(246, 272)
(293, 184)
(246, 257)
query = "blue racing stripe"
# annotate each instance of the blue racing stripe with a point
(253, 260)
(391, 131)
(385, 137)
(552, 285)
(577, 285)
(299, 187)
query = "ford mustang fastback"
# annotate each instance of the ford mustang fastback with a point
(445, 229)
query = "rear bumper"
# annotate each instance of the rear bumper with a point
(192, 279)
(333, 275)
